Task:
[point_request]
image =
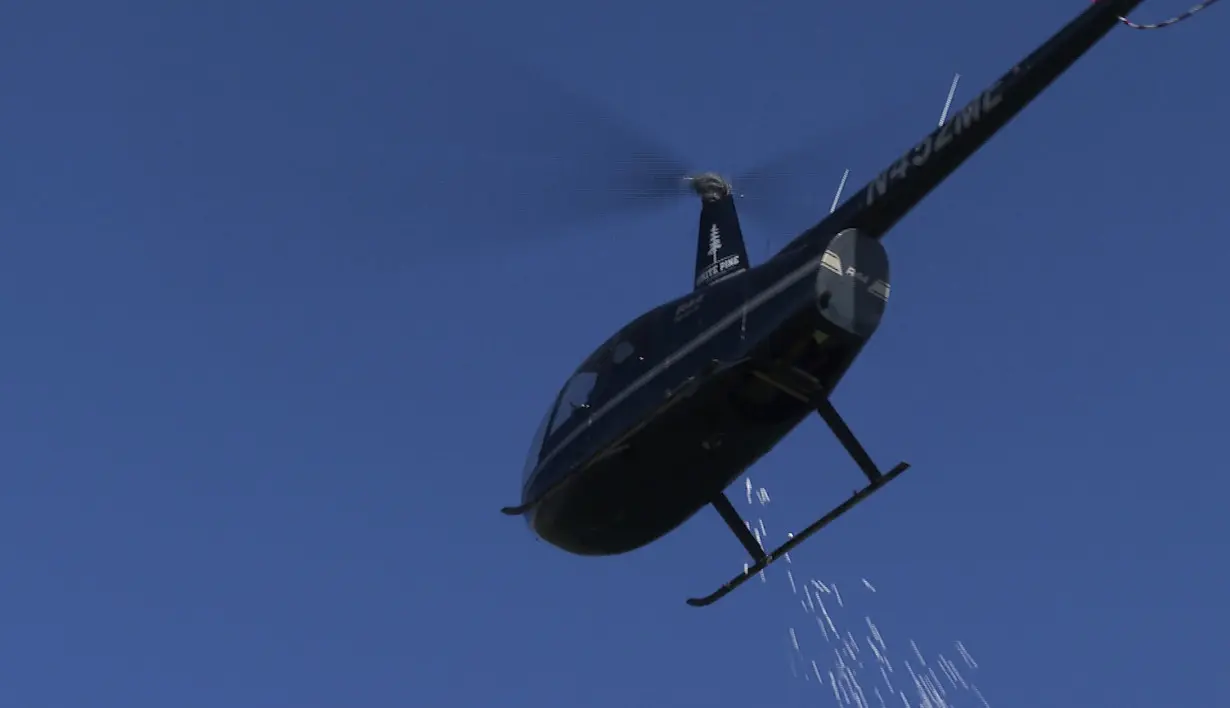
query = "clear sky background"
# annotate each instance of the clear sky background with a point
(269, 369)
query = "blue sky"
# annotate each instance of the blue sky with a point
(267, 375)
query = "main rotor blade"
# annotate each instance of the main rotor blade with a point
(544, 156)
(537, 156)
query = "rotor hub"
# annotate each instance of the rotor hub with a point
(710, 186)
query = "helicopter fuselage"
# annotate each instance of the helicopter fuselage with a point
(694, 404)
(661, 418)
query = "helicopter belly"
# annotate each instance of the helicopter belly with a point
(661, 476)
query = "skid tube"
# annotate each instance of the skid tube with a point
(763, 560)
(805, 388)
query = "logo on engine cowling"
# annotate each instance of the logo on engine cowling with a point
(832, 262)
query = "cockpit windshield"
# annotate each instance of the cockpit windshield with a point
(607, 371)
(571, 406)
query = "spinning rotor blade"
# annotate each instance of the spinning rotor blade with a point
(560, 158)
(795, 188)
(545, 157)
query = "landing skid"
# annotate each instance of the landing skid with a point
(801, 386)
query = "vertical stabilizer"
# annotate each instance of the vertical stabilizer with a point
(720, 252)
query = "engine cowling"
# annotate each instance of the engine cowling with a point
(852, 285)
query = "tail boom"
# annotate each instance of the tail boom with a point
(892, 194)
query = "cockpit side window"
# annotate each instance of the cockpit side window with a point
(630, 351)
(574, 400)
(603, 375)
(622, 352)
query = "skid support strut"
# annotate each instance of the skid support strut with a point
(875, 480)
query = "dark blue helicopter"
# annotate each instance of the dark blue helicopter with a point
(658, 421)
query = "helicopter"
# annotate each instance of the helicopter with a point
(671, 409)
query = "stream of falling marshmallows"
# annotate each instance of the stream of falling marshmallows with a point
(858, 666)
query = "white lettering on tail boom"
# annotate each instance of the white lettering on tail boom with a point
(936, 142)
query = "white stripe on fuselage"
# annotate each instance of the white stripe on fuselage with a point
(735, 316)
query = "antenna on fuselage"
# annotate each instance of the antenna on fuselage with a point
(952, 91)
(832, 207)
(840, 187)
